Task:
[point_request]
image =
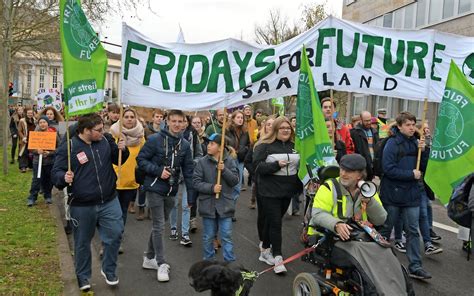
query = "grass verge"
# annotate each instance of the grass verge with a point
(29, 261)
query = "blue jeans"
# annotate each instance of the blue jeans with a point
(107, 218)
(236, 189)
(225, 232)
(186, 214)
(424, 219)
(410, 217)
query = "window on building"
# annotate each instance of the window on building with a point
(436, 11)
(55, 77)
(359, 104)
(421, 13)
(387, 20)
(41, 77)
(413, 107)
(464, 6)
(29, 75)
(398, 18)
(382, 102)
(379, 21)
(348, 2)
(448, 8)
(409, 19)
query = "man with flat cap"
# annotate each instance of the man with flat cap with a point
(334, 214)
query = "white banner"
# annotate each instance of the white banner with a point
(48, 97)
(345, 56)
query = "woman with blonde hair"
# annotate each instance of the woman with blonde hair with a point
(134, 135)
(276, 167)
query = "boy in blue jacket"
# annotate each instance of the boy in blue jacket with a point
(216, 212)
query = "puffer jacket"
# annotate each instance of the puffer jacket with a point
(399, 186)
(204, 179)
(273, 181)
(94, 176)
(157, 153)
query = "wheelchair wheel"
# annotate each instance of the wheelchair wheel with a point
(306, 285)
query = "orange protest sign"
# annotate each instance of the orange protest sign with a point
(42, 140)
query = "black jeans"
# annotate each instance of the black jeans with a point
(43, 183)
(14, 145)
(260, 219)
(274, 210)
(125, 197)
(24, 160)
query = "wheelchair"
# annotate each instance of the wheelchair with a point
(335, 271)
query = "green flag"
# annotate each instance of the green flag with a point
(280, 103)
(312, 138)
(452, 153)
(84, 61)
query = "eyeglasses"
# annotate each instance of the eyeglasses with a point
(285, 128)
(99, 130)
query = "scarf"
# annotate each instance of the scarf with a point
(132, 136)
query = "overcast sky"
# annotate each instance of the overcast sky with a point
(206, 20)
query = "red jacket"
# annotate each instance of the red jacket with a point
(345, 135)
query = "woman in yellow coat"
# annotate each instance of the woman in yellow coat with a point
(133, 133)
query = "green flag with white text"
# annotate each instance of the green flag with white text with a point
(452, 152)
(84, 61)
(312, 138)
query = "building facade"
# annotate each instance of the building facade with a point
(32, 72)
(451, 16)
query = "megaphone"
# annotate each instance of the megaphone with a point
(367, 188)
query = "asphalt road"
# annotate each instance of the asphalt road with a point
(452, 274)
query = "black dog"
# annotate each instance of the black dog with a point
(222, 278)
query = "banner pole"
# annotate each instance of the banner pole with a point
(331, 97)
(40, 165)
(422, 134)
(221, 154)
(118, 140)
(68, 137)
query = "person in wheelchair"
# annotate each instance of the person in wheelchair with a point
(341, 212)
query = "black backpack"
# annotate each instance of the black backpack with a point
(458, 208)
(378, 156)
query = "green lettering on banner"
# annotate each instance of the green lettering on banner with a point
(128, 56)
(321, 46)
(436, 60)
(178, 83)
(388, 65)
(216, 70)
(151, 65)
(414, 56)
(349, 60)
(201, 84)
(242, 63)
(371, 42)
(268, 67)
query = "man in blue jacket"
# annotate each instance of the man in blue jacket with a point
(400, 190)
(163, 157)
(92, 196)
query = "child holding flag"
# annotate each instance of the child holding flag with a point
(216, 212)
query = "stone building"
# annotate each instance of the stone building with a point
(452, 16)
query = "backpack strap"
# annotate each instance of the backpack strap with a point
(337, 196)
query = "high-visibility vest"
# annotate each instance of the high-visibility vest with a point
(383, 129)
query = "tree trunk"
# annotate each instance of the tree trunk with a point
(5, 51)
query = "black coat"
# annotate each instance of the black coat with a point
(361, 146)
(241, 143)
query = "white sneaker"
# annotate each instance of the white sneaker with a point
(149, 263)
(267, 257)
(163, 273)
(279, 268)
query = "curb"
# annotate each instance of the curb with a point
(66, 263)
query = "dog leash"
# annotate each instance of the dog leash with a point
(295, 256)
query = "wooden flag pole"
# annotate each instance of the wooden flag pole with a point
(331, 97)
(422, 134)
(118, 140)
(221, 154)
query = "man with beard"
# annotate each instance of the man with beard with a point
(365, 138)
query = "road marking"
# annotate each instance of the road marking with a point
(445, 227)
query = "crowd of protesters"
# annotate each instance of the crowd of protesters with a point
(175, 159)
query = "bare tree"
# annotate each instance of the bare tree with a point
(312, 14)
(32, 26)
